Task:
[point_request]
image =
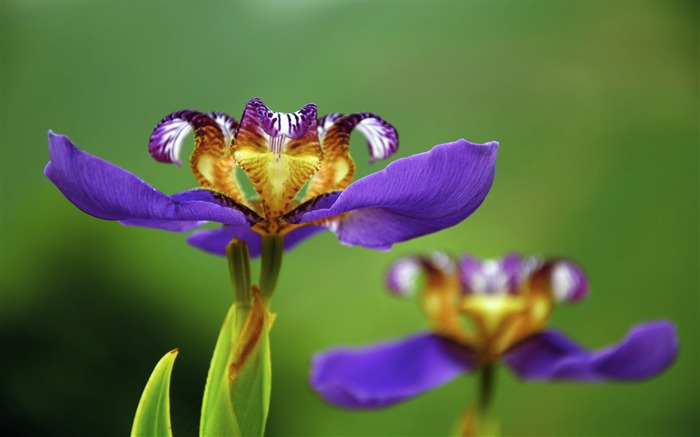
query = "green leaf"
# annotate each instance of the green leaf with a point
(237, 394)
(153, 413)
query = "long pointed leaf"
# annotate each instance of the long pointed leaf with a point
(217, 410)
(237, 394)
(153, 413)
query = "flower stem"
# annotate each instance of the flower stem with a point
(482, 423)
(486, 385)
(271, 262)
(239, 271)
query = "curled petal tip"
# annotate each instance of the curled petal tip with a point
(168, 136)
(646, 351)
(569, 283)
(325, 123)
(293, 125)
(382, 137)
(402, 276)
(491, 146)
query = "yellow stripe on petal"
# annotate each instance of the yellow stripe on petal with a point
(209, 148)
(277, 179)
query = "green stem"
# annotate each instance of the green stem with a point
(486, 386)
(271, 262)
(239, 271)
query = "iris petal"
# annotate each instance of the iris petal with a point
(214, 241)
(569, 283)
(292, 125)
(319, 202)
(106, 191)
(193, 195)
(495, 276)
(338, 168)
(647, 350)
(413, 196)
(166, 140)
(382, 138)
(384, 374)
(325, 122)
(402, 277)
(227, 124)
(210, 161)
(279, 153)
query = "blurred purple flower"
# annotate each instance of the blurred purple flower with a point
(280, 153)
(508, 303)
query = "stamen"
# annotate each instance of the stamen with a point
(276, 144)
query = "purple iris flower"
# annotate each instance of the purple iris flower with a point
(507, 302)
(281, 154)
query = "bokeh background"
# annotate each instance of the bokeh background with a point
(596, 108)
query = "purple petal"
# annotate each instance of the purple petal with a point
(402, 276)
(322, 201)
(227, 124)
(647, 350)
(469, 269)
(382, 138)
(494, 276)
(209, 196)
(165, 225)
(292, 125)
(384, 374)
(325, 122)
(167, 137)
(194, 195)
(512, 267)
(214, 241)
(413, 196)
(106, 191)
(298, 235)
(569, 283)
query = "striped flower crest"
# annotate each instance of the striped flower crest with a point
(279, 152)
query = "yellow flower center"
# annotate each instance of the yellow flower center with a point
(279, 153)
(489, 323)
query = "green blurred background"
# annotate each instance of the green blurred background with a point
(596, 108)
